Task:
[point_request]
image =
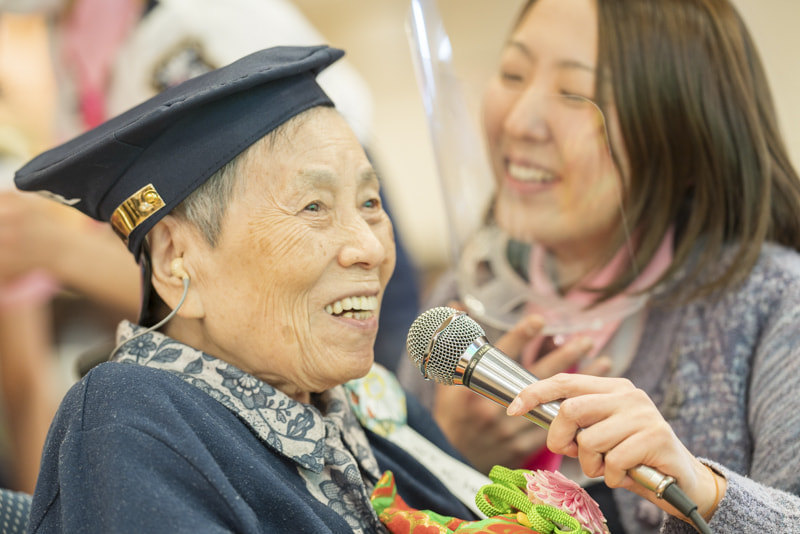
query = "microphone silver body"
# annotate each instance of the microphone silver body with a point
(450, 348)
(488, 371)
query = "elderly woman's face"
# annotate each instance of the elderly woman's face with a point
(292, 291)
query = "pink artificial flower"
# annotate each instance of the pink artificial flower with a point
(554, 489)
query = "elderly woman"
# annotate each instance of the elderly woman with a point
(256, 217)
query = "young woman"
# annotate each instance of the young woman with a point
(689, 223)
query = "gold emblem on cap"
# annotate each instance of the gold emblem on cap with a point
(131, 213)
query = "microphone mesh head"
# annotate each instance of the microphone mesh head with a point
(452, 341)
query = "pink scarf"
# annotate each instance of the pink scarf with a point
(602, 330)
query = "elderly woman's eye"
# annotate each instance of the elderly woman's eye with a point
(314, 206)
(373, 203)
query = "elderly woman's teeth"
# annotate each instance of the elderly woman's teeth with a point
(529, 174)
(354, 307)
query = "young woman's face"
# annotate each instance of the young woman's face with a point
(556, 181)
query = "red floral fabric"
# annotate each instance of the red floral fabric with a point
(399, 518)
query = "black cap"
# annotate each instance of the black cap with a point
(135, 168)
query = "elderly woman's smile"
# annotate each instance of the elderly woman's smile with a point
(354, 307)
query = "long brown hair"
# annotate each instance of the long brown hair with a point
(701, 136)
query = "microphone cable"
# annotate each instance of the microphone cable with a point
(159, 324)
(677, 498)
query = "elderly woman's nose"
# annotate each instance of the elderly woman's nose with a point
(527, 116)
(362, 245)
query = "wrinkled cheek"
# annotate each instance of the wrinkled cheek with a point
(272, 295)
(285, 256)
(287, 334)
(282, 303)
(304, 252)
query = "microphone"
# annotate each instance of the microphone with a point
(450, 348)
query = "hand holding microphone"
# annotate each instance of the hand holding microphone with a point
(450, 348)
(480, 427)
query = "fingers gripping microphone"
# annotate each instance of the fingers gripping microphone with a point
(450, 348)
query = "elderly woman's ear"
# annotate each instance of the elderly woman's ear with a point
(171, 263)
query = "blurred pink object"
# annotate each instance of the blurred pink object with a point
(32, 288)
(554, 489)
(93, 33)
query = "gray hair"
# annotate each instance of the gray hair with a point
(205, 206)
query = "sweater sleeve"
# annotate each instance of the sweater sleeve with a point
(774, 398)
(767, 499)
(747, 507)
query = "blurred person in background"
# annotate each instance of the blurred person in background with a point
(44, 255)
(646, 217)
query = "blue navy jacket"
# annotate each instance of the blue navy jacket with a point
(136, 449)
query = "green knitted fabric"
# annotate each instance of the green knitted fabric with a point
(506, 495)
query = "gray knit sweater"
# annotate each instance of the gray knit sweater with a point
(725, 372)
